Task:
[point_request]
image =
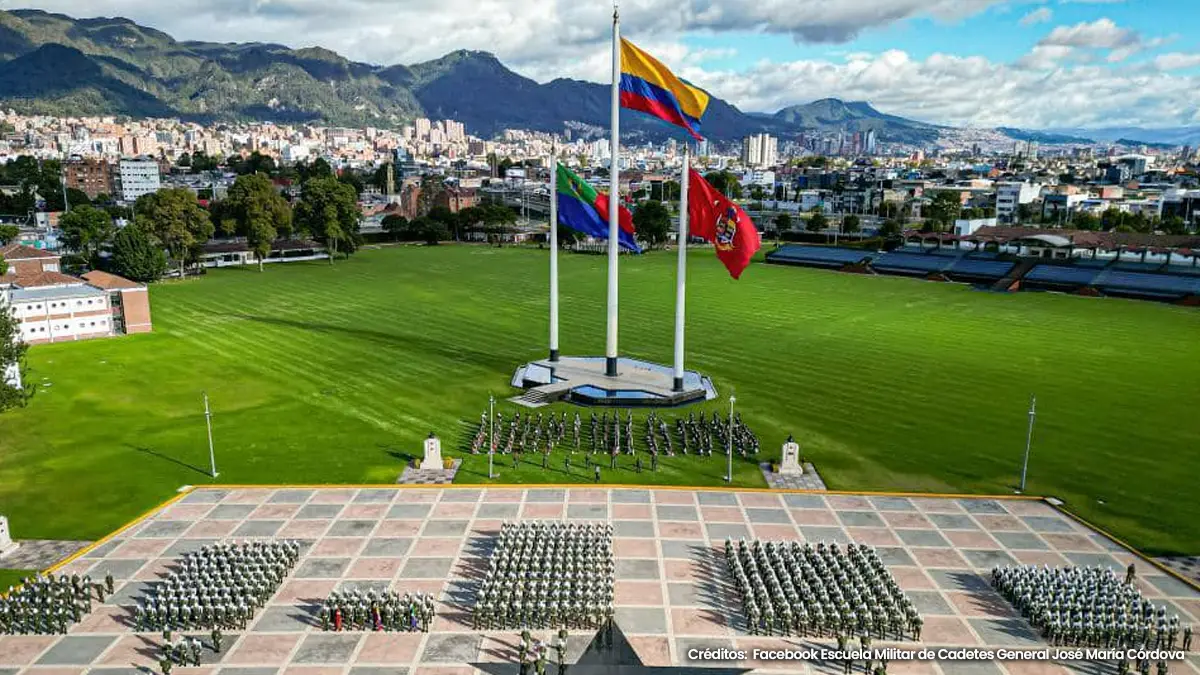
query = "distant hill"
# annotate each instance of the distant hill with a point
(1045, 137)
(57, 65)
(831, 114)
(1170, 136)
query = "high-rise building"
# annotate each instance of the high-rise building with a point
(872, 141)
(93, 177)
(760, 150)
(138, 177)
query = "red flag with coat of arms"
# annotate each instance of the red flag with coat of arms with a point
(719, 221)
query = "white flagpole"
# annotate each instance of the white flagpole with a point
(681, 275)
(614, 204)
(553, 252)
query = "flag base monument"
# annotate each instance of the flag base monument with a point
(583, 380)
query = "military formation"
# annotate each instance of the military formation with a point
(536, 653)
(377, 611)
(218, 586)
(613, 435)
(49, 605)
(793, 588)
(1089, 607)
(186, 651)
(548, 575)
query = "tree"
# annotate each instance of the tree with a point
(258, 212)
(85, 229)
(8, 233)
(135, 256)
(757, 193)
(255, 163)
(430, 230)
(725, 183)
(328, 211)
(184, 161)
(817, 222)
(176, 220)
(12, 358)
(77, 197)
(1174, 225)
(1025, 213)
(850, 223)
(783, 223)
(652, 222)
(352, 179)
(395, 225)
(1085, 221)
(890, 228)
(944, 208)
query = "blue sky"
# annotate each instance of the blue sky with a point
(996, 34)
(981, 63)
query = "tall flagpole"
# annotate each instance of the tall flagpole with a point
(614, 204)
(681, 275)
(553, 252)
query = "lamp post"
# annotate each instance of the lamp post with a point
(1028, 439)
(491, 434)
(212, 458)
(729, 448)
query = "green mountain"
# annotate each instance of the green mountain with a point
(831, 114)
(57, 65)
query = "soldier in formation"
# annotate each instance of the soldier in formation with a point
(377, 611)
(49, 604)
(793, 588)
(1089, 607)
(548, 575)
(218, 586)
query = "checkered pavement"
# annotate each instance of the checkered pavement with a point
(670, 591)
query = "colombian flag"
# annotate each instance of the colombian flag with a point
(647, 85)
(584, 209)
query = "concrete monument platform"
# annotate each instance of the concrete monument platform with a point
(671, 592)
(582, 380)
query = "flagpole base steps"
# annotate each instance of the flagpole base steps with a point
(808, 480)
(584, 380)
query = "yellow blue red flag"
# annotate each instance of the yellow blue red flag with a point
(650, 87)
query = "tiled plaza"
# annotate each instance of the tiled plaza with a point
(670, 593)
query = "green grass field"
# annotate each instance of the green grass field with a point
(321, 374)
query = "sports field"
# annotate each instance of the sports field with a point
(321, 374)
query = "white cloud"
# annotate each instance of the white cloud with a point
(970, 91)
(1098, 34)
(1063, 81)
(1177, 61)
(1039, 15)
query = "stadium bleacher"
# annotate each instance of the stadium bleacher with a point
(980, 269)
(818, 256)
(897, 262)
(1153, 285)
(1136, 266)
(1061, 275)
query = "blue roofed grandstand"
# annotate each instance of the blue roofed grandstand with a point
(1152, 267)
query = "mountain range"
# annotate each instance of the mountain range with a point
(56, 65)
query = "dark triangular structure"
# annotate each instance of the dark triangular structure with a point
(603, 658)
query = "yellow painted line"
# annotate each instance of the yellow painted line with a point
(1154, 563)
(108, 537)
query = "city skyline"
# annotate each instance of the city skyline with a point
(983, 63)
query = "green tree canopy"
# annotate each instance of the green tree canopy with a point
(8, 233)
(176, 220)
(726, 183)
(395, 225)
(12, 356)
(135, 255)
(85, 230)
(258, 212)
(652, 222)
(817, 222)
(328, 211)
(850, 223)
(944, 208)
